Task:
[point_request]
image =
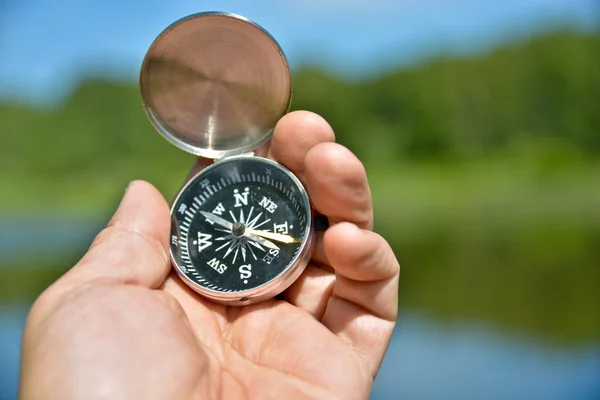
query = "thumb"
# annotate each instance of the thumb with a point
(133, 248)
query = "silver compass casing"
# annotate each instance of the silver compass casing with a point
(271, 288)
(215, 84)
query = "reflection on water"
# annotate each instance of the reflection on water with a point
(12, 319)
(426, 360)
(44, 235)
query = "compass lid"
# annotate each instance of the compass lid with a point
(215, 84)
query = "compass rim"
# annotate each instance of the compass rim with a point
(288, 275)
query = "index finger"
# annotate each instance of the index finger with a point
(295, 134)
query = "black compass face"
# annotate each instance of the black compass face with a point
(239, 225)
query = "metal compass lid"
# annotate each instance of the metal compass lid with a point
(215, 84)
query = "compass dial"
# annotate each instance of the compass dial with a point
(241, 230)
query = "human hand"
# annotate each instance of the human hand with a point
(121, 325)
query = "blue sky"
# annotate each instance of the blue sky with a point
(46, 45)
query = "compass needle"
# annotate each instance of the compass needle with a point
(217, 220)
(258, 246)
(261, 240)
(275, 236)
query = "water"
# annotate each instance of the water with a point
(20, 235)
(426, 361)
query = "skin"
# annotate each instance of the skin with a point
(121, 325)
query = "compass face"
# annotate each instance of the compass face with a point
(240, 228)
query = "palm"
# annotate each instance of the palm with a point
(271, 348)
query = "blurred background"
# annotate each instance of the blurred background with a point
(478, 122)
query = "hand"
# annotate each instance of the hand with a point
(120, 325)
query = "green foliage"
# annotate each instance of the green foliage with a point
(464, 108)
(491, 241)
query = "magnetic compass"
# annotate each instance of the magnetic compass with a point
(215, 85)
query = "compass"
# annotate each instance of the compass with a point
(214, 85)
